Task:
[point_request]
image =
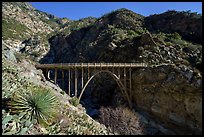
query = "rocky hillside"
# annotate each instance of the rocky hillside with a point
(186, 23)
(27, 29)
(23, 78)
(122, 36)
(20, 22)
(170, 95)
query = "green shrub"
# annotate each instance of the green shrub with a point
(168, 44)
(176, 35)
(38, 103)
(74, 101)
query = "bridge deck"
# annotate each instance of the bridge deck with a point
(89, 65)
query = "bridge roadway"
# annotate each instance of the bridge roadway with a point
(91, 65)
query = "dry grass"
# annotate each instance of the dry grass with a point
(121, 120)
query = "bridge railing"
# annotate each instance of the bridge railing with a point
(90, 65)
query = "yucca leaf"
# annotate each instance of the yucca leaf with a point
(23, 131)
(7, 119)
(39, 103)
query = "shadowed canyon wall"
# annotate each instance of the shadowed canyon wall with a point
(172, 94)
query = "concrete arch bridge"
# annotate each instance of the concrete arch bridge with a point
(85, 72)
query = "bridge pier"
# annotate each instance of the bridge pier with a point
(82, 77)
(55, 77)
(130, 83)
(88, 73)
(69, 88)
(46, 73)
(63, 79)
(119, 73)
(125, 84)
(75, 77)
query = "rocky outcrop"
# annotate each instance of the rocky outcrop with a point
(147, 39)
(8, 53)
(171, 93)
(34, 47)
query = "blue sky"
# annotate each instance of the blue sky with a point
(78, 10)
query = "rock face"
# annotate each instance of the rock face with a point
(34, 47)
(169, 94)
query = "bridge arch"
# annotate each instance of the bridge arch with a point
(115, 77)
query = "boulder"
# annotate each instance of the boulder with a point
(8, 53)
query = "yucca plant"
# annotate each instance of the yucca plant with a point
(38, 103)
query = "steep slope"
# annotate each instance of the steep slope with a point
(186, 23)
(21, 22)
(91, 42)
(24, 77)
(27, 30)
(121, 36)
